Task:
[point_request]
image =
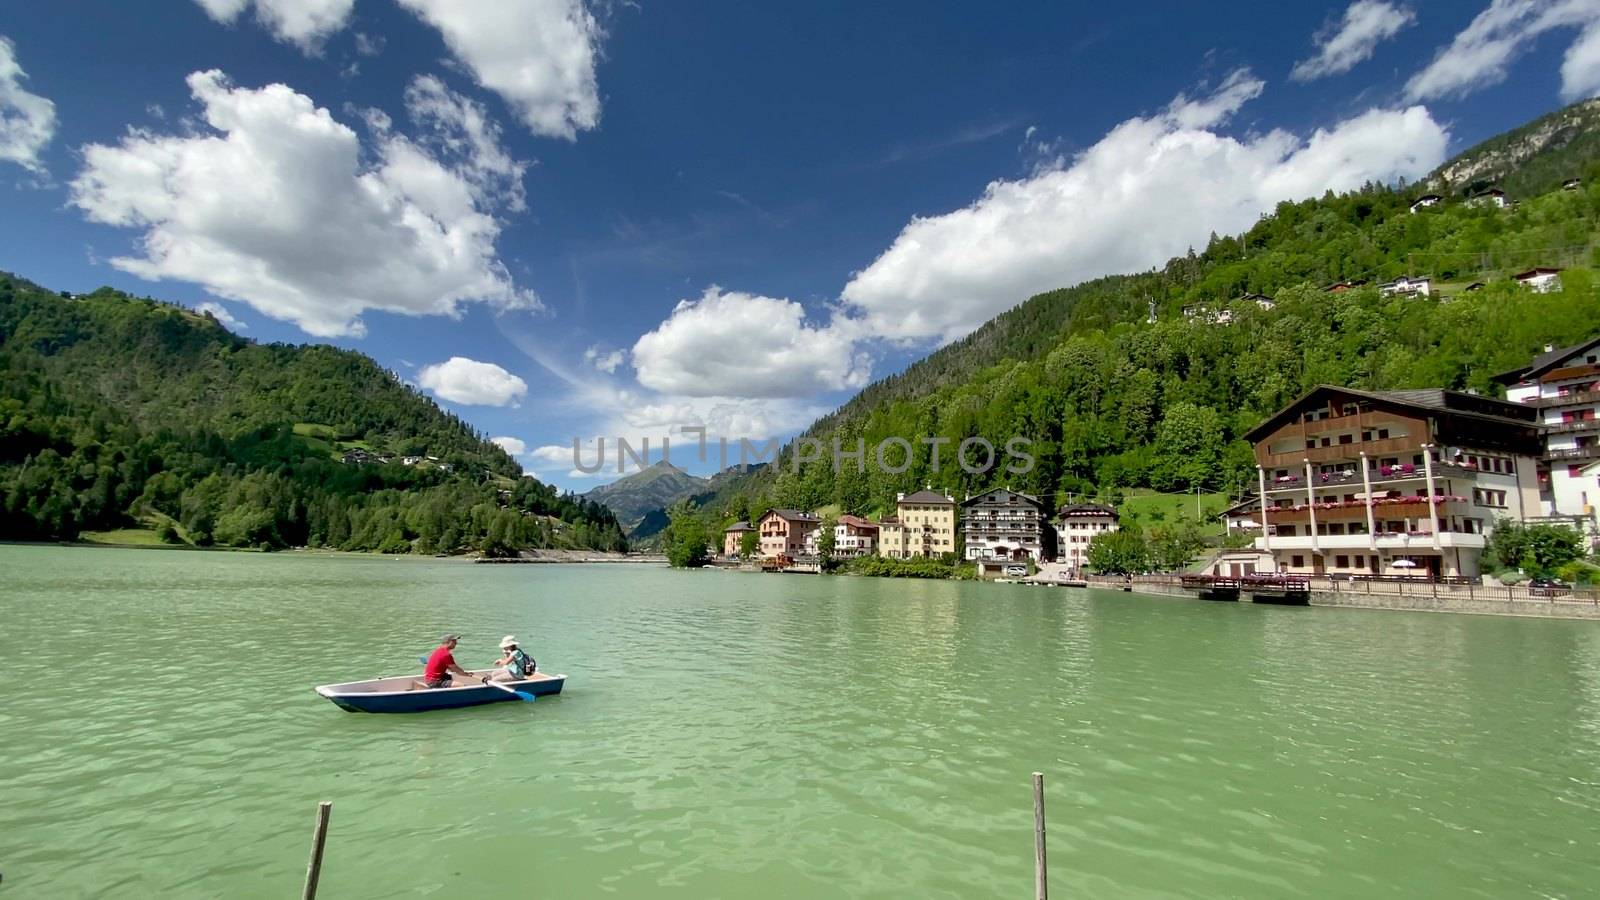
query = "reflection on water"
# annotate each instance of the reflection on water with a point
(724, 735)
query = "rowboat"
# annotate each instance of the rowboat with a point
(407, 693)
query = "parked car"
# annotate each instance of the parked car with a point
(1547, 587)
(1016, 571)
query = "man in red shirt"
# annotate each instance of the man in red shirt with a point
(436, 674)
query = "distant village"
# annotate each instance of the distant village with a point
(1540, 279)
(1350, 484)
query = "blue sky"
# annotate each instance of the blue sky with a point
(577, 220)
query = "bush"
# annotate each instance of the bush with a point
(917, 567)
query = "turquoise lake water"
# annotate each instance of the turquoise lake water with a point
(735, 735)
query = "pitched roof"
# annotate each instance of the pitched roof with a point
(856, 521)
(1087, 509)
(1536, 270)
(793, 515)
(1472, 406)
(738, 526)
(1008, 493)
(926, 497)
(1545, 361)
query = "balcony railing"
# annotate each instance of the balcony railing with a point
(1577, 425)
(1350, 451)
(1590, 452)
(1572, 398)
(1377, 475)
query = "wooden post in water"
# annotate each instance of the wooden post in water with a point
(318, 840)
(1041, 880)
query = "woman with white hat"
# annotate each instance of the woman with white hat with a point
(516, 664)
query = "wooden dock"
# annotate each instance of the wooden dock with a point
(1287, 590)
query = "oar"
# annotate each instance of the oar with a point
(524, 697)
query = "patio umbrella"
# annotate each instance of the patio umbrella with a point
(1403, 564)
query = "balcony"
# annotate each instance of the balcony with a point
(1590, 452)
(1571, 398)
(1568, 427)
(1341, 452)
(1404, 543)
(1403, 472)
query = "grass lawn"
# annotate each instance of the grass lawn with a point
(1148, 508)
(140, 536)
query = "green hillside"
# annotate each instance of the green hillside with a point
(124, 413)
(1113, 401)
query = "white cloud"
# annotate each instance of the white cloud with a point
(467, 381)
(304, 23)
(1341, 46)
(539, 55)
(1151, 188)
(552, 453)
(220, 313)
(605, 362)
(27, 120)
(1580, 69)
(277, 206)
(1481, 53)
(369, 44)
(732, 344)
(514, 446)
(462, 129)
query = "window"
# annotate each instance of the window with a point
(1383, 434)
(1345, 438)
(1341, 562)
(1297, 561)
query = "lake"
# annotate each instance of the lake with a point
(730, 735)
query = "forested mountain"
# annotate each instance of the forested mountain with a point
(654, 487)
(1111, 399)
(119, 411)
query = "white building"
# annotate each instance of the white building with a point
(1077, 528)
(1425, 201)
(1540, 280)
(1563, 384)
(1407, 286)
(852, 536)
(1004, 524)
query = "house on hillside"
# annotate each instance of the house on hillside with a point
(926, 526)
(1208, 316)
(1004, 524)
(1492, 197)
(358, 456)
(1406, 286)
(1539, 280)
(1262, 301)
(733, 535)
(1571, 184)
(1475, 286)
(784, 531)
(1339, 287)
(1241, 516)
(1425, 201)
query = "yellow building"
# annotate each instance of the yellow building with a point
(924, 525)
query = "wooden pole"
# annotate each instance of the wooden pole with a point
(1041, 881)
(318, 840)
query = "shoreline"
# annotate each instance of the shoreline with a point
(1469, 606)
(543, 557)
